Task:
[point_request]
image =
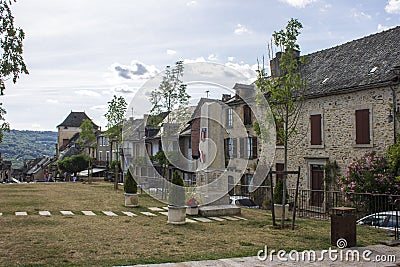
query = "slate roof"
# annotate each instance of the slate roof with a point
(75, 119)
(354, 65)
(41, 164)
(197, 111)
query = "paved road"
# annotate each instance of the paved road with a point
(372, 253)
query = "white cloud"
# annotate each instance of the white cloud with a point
(325, 8)
(230, 59)
(171, 52)
(52, 101)
(361, 15)
(135, 71)
(393, 7)
(87, 93)
(212, 57)
(383, 27)
(191, 3)
(99, 107)
(199, 59)
(248, 71)
(241, 29)
(298, 3)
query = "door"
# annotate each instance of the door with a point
(317, 185)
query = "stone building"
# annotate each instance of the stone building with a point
(346, 108)
(68, 129)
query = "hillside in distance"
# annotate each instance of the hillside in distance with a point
(19, 146)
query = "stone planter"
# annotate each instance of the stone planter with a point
(176, 214)
(278, 210)
(131, 200)
(192, 210)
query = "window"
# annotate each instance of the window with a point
(229, 148)
(100, 155)
(362, 127)
(65, 142)
(316, 132)
(229, 117)
(248, 147)
(107, 155)
(247, 115)
(234, 148)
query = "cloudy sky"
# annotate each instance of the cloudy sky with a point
(81, 52)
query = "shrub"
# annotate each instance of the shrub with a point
(176, 195)
(74, 164)
(130, 185)
(278, 192)
(370, 174)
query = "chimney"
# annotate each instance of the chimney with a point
(225, 97)
(274, 63)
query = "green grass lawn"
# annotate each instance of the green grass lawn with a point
(105, 241)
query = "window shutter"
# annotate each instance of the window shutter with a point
(247, 115)
(241, 148)
(362, 127)
(254, 148)
(234, 148)
(316, 138)
(226, 140)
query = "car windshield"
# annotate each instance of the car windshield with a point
(374, 220)
(246, 202)
(392, 221)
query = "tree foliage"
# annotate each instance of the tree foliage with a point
(87, 137)
(130, 185)
(278, 192)
(74, 164)
(115, 117)
(11, 62)
(285, 90)
(171, 93)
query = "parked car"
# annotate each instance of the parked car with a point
(243, 201)
(384, 220)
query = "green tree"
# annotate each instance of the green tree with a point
(74, 164)
(11, 62)
(87, 136)
(286, 91)
(115, 117)
(171, 93)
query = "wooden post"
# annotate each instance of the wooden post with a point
(296, 196)
(116, 177)
(272, 198)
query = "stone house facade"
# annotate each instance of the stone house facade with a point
(346, 108)
(69, 128)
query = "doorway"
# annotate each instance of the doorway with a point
(317, 184)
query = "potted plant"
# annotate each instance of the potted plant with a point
(278, 197)
(176, 200)
(130, 188)
(192, 206)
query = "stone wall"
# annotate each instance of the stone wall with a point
(338, 131)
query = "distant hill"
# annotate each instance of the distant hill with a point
(18, 146)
